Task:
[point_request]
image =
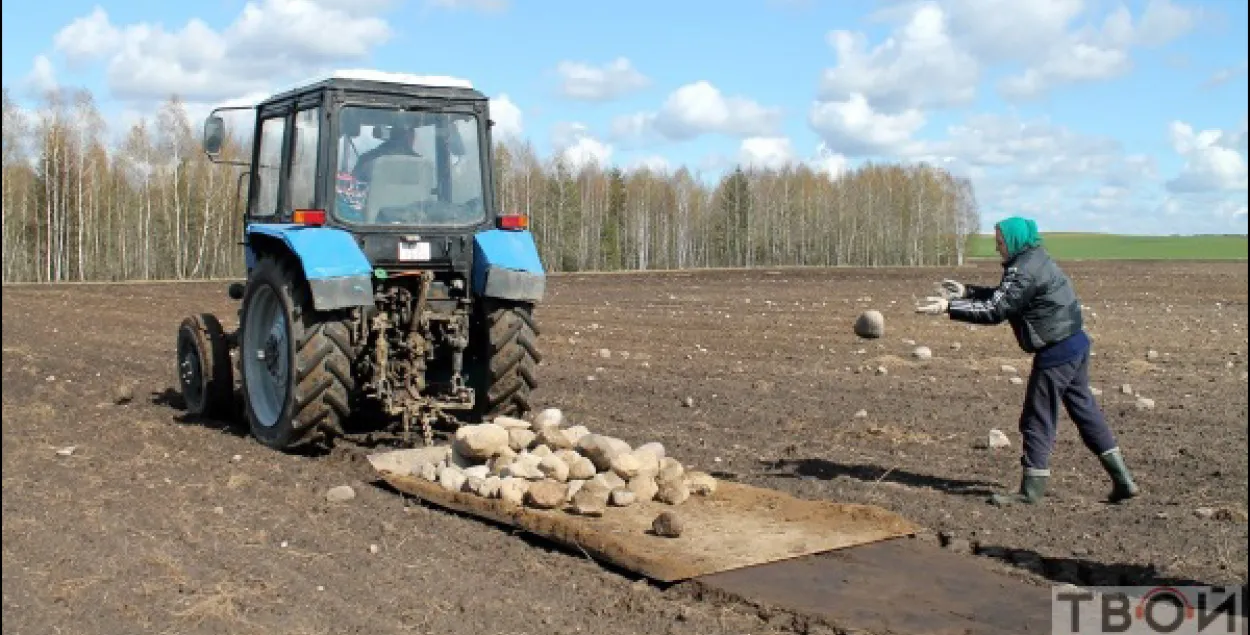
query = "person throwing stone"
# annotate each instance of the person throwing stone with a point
(1041, 305)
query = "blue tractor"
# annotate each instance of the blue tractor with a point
(380, 273)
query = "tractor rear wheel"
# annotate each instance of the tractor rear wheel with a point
(204, 373)
(506, 365)
(295, 360)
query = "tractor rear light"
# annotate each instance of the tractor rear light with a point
(513, 221)
(309, 217)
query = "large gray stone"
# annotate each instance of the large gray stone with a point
(870, 324)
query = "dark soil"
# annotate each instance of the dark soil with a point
(158, 524)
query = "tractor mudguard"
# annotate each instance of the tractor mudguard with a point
(506, 266)
(338, 273)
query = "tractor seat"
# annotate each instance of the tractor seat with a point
(398, 181)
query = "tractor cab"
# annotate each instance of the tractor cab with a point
(383, 156)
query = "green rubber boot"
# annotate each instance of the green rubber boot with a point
(1123, 486)
(1032, 488)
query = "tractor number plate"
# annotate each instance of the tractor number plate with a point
(414, 250)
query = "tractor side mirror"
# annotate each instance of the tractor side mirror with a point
(214, 134)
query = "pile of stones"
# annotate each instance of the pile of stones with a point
(544, 464)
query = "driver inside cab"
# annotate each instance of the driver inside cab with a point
(399, 142)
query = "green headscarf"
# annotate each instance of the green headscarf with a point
(1019, 234)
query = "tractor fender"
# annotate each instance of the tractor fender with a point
(338, 273)
(506, 266)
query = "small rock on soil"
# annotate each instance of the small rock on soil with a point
(340, 494)
(668, 525)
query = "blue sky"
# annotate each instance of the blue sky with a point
(1126, 116)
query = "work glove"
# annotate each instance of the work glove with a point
(933, 305)
(952, 290)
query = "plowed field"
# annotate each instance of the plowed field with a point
(153, 524)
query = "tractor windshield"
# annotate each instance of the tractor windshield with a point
(408, 168)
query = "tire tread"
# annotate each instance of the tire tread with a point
(511, 360)
(323, 380)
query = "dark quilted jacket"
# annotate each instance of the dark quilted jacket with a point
(1034, 296)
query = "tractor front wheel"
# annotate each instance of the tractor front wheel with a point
(507, 359)
(295, 361)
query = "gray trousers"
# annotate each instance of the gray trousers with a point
(1048, 388)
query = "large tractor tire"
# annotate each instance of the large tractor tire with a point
(204, 373)
(506, 364)
(295, 361)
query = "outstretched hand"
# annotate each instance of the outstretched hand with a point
(952, 290)
(933, 305)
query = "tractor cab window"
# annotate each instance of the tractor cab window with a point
(304, 159)
(408, 168)
(269, 165)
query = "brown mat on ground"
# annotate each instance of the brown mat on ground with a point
(736, 527)
(894, 586)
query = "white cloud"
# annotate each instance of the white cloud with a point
(918, 66)
(574, 143)
(613, 80)
(1010, 30)
(1191, 213)
(1040, 146)
(934, 56)
(828, 162)
(1067, 178)
(700, 108)
(42, 78)
(507, 118)
(853, 128)
(876, 99)
(696, 109)
(269, 41)
(1215, 160)
(587, 151)
(769, 153)
(1076, 62)
(88, 38)
(1093, 54)
(296, 29)
(1030, 31)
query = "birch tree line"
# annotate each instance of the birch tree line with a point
(152, 206)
